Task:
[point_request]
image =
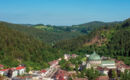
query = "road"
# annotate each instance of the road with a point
(51, 72)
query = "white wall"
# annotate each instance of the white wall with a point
(15, 73)
(1, 73)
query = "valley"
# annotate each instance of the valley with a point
(35, 46)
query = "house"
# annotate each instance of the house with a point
(59, 59)
(110, 64)
(83, 63)
(119, 63)
(102, 78)
(87, 55)
(14, 72)
(72, 65)
(35, 77)
(1, 66)
(71, 73)
(103, 70)
(74, 55)
(105, 58)
(21, 70)
(94, 60)
(126, 67)
(61, 75)
(42, 72)
(53, 63)
(3, 72)
(122, 66)
(67, 56)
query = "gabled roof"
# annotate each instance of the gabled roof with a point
(17, 68)
(4, 70)
(20, 67)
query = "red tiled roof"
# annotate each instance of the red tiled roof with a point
(117, 61)
(74, 55)
(126, 66)
(20, 67)
(17, 68)
(4, 69)
(43, 71)
(60, 74)
(61, 78)
(12, 68)
(53, 62)
(1, 65)
(123, 66)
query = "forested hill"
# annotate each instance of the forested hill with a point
(47, 36)
(25, 44)
(113, 41)
(18, 48)
(81, 28)
(51, 34)
(90, 26)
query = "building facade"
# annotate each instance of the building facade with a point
(94, 60)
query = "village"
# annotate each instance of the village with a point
(57, 72)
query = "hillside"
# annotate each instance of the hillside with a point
(90, 26)
(47, 36)
(111, 41)
(18, 48)
(52, 34)
(21, 44)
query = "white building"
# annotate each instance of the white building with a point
(95, 60)
(110, 64)
(3, 72)
(87, 55)
(14, 73)
(21, 70)
(66, 57)
(103, 70)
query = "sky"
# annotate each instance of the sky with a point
(63, 12)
